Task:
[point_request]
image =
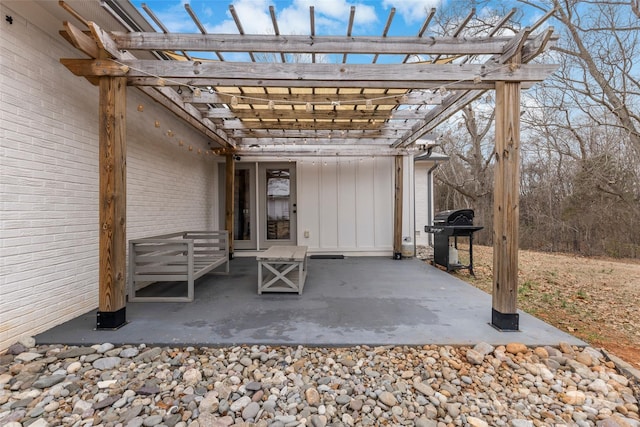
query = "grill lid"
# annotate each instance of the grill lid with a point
(454, 217)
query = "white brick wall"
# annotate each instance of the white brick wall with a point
(49, 181)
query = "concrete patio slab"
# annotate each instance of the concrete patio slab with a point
(351, 301)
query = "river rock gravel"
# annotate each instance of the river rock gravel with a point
(429, 386)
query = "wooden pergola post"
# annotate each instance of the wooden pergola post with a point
(397, 211)
(230, 174)
(112, 205)
(504, 313)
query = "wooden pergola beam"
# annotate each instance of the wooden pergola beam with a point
(420, 97)
(312, 150)
(308, 125)
(309, 44)
(363, 137)
(370, 143)
(80, 40)
(156, 73)
(285, 115)
(366, 127)
(437, 115)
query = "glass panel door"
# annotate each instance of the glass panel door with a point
(278, 204)
(245, 228)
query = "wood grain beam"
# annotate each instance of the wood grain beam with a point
(105, 42)
(300, 114)
(322, 150)
(309, 75)
(112, 196)
(81, 41)
(314, 139)
(506, 207)
(340, 134)
(363, 126)
(411, 98)
(438, 114)
(310, 44)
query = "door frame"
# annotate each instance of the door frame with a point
(263, 242)
(258, 204)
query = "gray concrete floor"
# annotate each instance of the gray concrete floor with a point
(360, 300)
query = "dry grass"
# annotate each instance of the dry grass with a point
(594, 299)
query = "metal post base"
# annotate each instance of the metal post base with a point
(397, 255)
(109, 320)
(506, 322)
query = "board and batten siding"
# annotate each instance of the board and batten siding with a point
(346, 204)
(422, 202)
(49, 178)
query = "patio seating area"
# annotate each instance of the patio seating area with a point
(350, 301)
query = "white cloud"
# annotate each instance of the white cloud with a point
(331, 16)
(412, 10)
(253, 15)
(174, 17)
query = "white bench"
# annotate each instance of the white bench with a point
(286, 269)
(179, 257)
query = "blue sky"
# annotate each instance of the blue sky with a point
(331, 16)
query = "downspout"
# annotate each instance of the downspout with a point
(430, 203)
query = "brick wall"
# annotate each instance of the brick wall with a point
(49, 180)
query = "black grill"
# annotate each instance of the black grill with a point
(452, 223)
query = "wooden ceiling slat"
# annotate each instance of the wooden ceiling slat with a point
(276, 29)
(203, 30)
(458, 31)
(352, 16)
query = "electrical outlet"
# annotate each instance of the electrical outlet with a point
(306, 234)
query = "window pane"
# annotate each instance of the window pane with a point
(278, 195)
(242, 208)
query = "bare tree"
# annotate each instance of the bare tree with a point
(599, 48)
(580, 181)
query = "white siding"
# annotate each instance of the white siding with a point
(49, 180)
(346, 205)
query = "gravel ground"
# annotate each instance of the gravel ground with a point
(430, 386)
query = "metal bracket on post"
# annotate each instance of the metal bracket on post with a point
(111, 320)
(505, 322)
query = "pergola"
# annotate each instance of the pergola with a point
(288, 96)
